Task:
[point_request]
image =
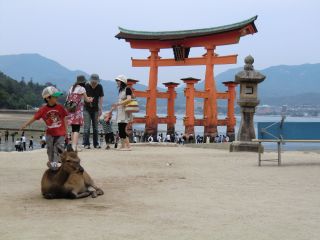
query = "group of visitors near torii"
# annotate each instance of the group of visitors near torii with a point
(83, 108)
(87, 111)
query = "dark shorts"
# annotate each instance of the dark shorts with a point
(122, 130)
(75, 128)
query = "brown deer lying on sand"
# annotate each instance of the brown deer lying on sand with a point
(69, 181)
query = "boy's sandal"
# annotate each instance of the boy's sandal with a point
(53, 166)
(125, 149)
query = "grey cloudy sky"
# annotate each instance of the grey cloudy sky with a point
(79, 34)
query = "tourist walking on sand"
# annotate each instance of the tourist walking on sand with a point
(92, 111)
(76, 94)
(168, 137)
(18, 145)
(31, 142)
(43, 141)
(105, 121)
(123, 117)
(24, 142)
(150, 139)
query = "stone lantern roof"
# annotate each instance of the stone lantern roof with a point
(249, 74)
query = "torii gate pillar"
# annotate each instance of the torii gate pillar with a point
(210, 103)
(171, 118)
(231, 120)
(151, 127)
(189, 92)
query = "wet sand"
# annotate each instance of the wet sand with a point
(201, 194)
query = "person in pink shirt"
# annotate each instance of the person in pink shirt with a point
(76, 94)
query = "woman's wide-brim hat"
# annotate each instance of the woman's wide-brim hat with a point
(122, 78)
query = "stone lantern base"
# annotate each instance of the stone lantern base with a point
(241, 146)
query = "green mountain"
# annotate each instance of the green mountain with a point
(18, 95)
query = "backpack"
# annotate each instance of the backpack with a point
(71, 106)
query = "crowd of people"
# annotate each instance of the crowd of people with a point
(6, 136)
(21, 142)
(138, 136)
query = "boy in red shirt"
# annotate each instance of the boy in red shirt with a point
(54, 116)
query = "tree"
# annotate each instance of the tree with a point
(17, 95)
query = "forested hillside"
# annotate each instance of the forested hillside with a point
(18, 95)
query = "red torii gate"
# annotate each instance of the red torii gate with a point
(170, 94)
(191, 93)
(181, 42)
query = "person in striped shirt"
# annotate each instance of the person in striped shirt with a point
(105, 121)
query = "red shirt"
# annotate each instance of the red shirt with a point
(53, 116)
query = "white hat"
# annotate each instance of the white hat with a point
(122, 78)
(51, 91)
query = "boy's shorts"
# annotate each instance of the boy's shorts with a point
(55, 145)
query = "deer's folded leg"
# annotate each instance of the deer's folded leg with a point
(81, 195)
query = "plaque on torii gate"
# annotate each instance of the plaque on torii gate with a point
(181, 42)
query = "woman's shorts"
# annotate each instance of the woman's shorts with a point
(122, 130)
(75, 128)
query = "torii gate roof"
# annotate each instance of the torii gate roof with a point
(246, 27)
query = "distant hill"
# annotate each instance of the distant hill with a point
(37, 68)
(19, 95)
(284, 84)
(283, 80)
(311, 98)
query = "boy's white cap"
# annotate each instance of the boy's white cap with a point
(51, 91)
(122, 78)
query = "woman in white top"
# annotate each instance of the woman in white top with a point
(123, 117)
(75, 119)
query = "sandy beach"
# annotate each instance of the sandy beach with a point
(203, 194)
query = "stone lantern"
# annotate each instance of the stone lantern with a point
(248, 100)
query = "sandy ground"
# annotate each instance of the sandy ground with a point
(204, 194)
